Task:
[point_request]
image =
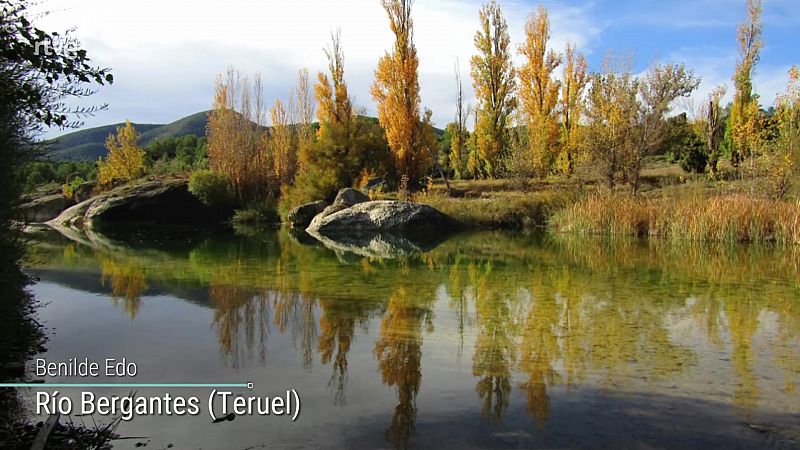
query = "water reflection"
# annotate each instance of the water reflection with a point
(399, 354)
(541, 314)
(127, 281)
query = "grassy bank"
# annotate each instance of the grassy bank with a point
(735, 218)
(503, 204)
(671, 206)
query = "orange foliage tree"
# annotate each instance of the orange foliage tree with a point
(238, 144)
(396, 91)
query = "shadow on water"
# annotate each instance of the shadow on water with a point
(596, 419)
(20, 338)
(570, 342)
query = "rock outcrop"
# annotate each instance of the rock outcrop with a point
(157, 202)
(73, 216)
(302, 216)
(44, 208)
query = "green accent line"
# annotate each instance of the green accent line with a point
(122, 385)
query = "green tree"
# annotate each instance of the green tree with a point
(493, 80)
(695, 157)
(35, 90)
(744, 118)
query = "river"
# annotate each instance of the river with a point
(487, 340)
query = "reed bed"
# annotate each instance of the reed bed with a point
(732, 218)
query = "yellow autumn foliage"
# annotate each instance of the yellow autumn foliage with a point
(125, 160)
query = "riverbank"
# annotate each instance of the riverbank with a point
(671, 205)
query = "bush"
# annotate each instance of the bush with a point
(35, 178)
(257, 214)
(309, 186)
(69, 188)
(212, 188)
(694, 157)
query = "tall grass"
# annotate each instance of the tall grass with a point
(733, 219)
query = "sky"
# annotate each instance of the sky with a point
(166, 54)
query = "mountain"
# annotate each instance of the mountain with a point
(89, 144)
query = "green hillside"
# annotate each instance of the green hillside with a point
(194, 124)
(89, 144)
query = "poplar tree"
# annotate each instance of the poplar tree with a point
(575, 77)
(306, 108)
(396, 92)
(713, 126)
(538, 91)
(281, 144)
(458, 142)
(744, 119)
(493, 80)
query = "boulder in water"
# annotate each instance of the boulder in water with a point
(346, 198)
(383, 215)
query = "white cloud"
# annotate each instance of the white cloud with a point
(716, 66)
(165, 54)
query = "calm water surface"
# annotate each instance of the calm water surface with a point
(489, 340)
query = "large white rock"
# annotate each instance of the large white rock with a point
(383, 215)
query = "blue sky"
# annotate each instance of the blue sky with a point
(166, 53)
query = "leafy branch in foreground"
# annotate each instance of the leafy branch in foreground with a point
(40, 70)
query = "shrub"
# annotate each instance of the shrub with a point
(310, 186)
(35, 178)
(69, 188)
(212, 188)
(694, 157)
(257, 214)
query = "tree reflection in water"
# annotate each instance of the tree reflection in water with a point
(552, 313)
(127, 281)
(399, 354)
